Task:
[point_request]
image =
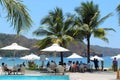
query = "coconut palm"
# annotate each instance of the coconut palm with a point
(118, 11)
(88, 21)
(17, 14)
(57, 29)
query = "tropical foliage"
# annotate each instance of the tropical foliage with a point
(17, 14)
(118, 11)
(57, 29)
(88, 21)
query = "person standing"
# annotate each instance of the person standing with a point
(96, 64)
(115, 64)
(48, 64)
(102, 65)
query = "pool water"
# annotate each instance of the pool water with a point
(51, 77)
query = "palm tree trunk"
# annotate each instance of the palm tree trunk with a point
(88, 50)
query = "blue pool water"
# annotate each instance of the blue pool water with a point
(6, 77)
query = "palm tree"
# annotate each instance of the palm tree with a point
(57, 29)
(118, 11)
(88, 20)
(17, 14)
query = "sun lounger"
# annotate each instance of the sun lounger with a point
(82, 68)
(50, 70)
(3, 71)
(17, 70)
(22, 69)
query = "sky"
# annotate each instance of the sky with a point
(40, 8)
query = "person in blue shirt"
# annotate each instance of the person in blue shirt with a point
(115, 64)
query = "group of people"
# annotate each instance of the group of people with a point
(114, 64)
(73, 66)
(96, 64)
(80, 66)
(77, 66)
(16, 68)
(5, 68)
(53, 67)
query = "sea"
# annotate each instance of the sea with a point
(14, 61)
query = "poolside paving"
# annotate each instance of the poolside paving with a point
(99, 75)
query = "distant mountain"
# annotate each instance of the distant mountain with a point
(106, 51)
(79, 47)
(7, 39)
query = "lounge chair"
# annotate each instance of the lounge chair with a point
(3, 71)
(18, 70)
(21, 70)
(49, 70)
(82, 68)
(52, 66)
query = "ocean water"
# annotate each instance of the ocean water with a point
(15, 61)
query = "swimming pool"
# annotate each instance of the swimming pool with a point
(51, 77)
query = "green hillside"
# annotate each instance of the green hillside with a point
(79, 48)
(7, 39)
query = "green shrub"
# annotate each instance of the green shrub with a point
(32, 66)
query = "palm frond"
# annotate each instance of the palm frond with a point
(103, 19)
(43, 43)
(59, 27)
(109, 29)
(118, 11)
(105, 39)
(17, 15)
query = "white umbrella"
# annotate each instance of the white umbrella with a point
(0, 57)
(114, 57)
(117, 57)
(30, 57)
(56, 48)
(14, 47)
(96, 57)
(24, 57)
(74, 55)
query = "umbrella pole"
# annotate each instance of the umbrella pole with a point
(14, 58)
(61, 55)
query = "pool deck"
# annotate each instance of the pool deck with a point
(99, 75)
